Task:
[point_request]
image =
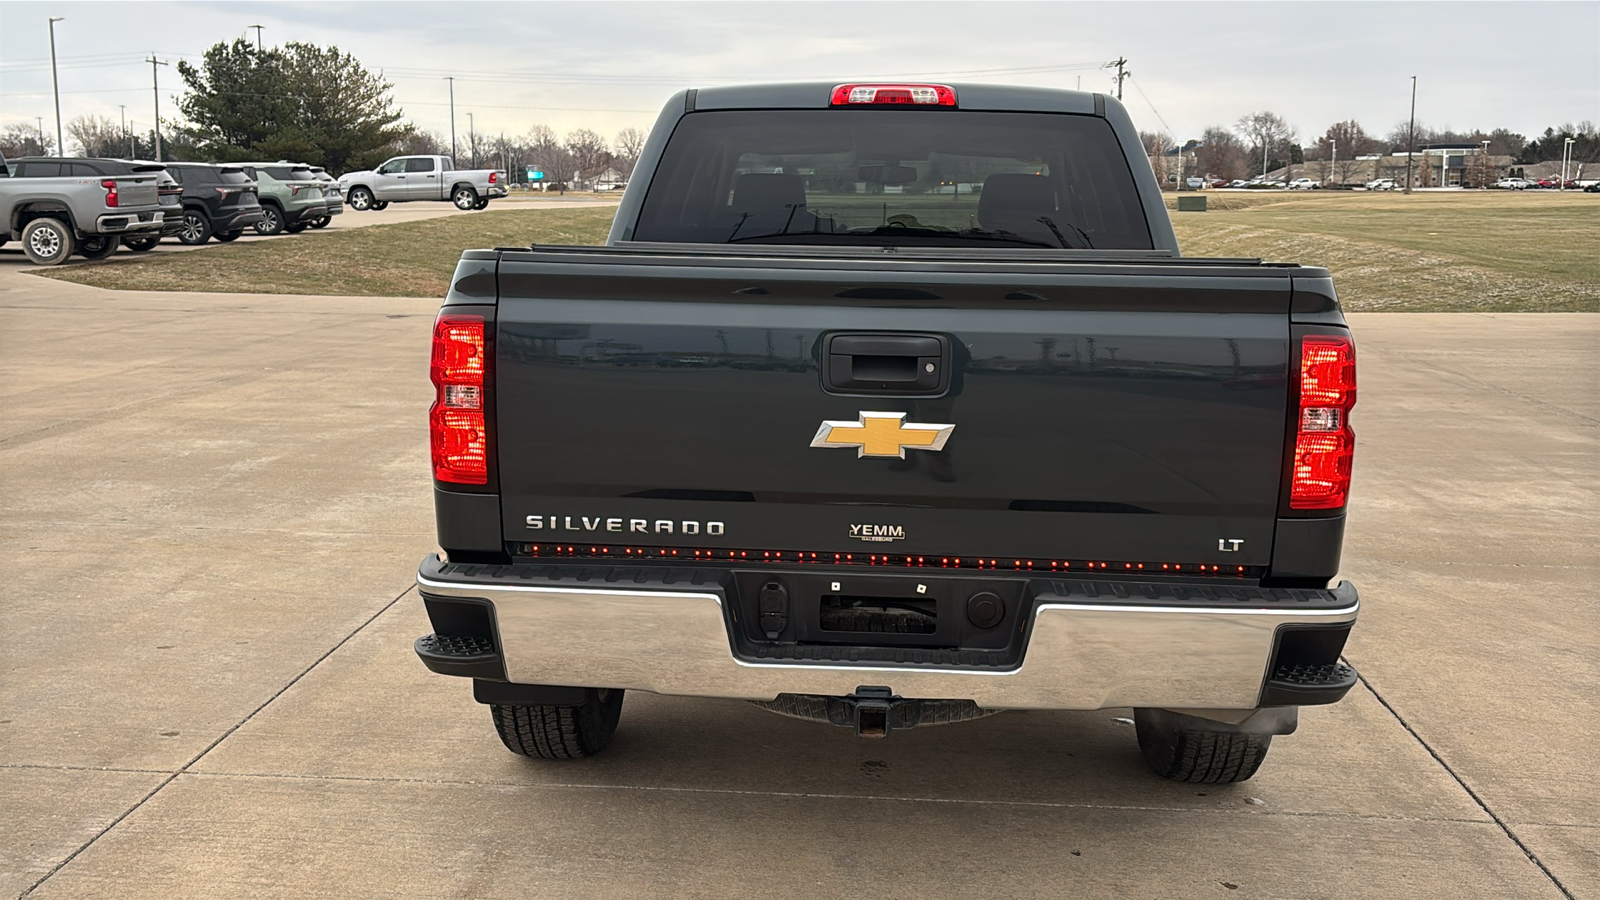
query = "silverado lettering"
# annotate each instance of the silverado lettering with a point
(1130, 468)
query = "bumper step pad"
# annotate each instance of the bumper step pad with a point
(1308, 685)
(472, 657)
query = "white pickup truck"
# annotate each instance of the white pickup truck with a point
(406, 178)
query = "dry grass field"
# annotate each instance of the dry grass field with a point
(1436, 252)
(1535, 251)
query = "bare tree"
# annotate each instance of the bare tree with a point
(546, 153)
(1222, 154)
(98, 136)
(589, 151)
(1267, 132)
(420, 143)
(1338, 148)
(630, 141)
(25, 139)
(1157, 146)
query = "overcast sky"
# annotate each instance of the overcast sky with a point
(609, 65)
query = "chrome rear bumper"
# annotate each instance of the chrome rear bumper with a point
(1079, 654)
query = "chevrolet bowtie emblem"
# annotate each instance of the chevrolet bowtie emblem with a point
(882, 434)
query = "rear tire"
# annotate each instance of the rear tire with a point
(296, 228)
(361, 199)
(464, 197)
(271, 221)
(378, 205)
(1199, 757)
(322, 222)
(560, 732)
(196, 228)
(47, 242)
(99, 246)
(483, 203)
(142, 244)
(229, 236)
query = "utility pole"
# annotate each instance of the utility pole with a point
(1483, 177)
(472, 139)
(1119, 62)
(258, 35)
(1411, 134)
(55, 86)
(452, 80)
(1334, 164)
(155, 90)
(125, 132)
(39, 121)
(1566, 160)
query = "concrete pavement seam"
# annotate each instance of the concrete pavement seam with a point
(213, 745)
(1501, 823)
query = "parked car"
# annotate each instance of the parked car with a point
(880, 537)
(1219, 182)
(408, 178)
(171, 196)
(331, 195)
(1512, 184)
(1382, 184)
(1592, 187)
(290, 196)
(218, 201)
(57, 206)
(1238, 183)
(1304, 184)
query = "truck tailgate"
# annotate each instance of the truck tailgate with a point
(1126, 413)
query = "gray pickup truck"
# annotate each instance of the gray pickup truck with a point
(890, 406)
(408, 178)
(58, 206)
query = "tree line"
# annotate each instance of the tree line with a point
(1265, 141)
(319, 105)
(316, 105)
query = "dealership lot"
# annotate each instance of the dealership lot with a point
(213, 506)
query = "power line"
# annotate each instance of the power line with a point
(1153, 108)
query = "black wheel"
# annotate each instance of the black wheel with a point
(47, 242)
(560, 732)
(229, 235)
(464, 197)
(99, 246)
(483, 203)
(361, 199)
(271, 221)
(196, 228)
(1201, 757)
(142, 244)
(296, 228)
(322, 222)
(379, 204)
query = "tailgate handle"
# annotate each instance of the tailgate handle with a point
(886, 363)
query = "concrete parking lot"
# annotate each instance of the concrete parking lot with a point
(212, 507)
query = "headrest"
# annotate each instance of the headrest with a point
(1013, 196)
(765, 190)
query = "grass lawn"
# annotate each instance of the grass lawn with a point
(405, 259)
(1466, 251)
(1479, 251)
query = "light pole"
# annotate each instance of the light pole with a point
(39, 121)
(1333, 165)
(472, 139)
(1483, 179)
(1566, 157)
(124, 108)
(258, 35)
(55, 87)
(1411, 133)
(452, 80)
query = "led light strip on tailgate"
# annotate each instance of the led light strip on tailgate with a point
(704, 556)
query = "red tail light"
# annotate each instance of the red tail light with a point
(456, 421)
(1324, 446)
(893, 95)
(111, 191)
(494, 177)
